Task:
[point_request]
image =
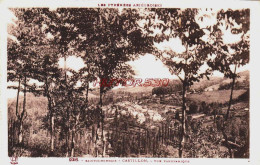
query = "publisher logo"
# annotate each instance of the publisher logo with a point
(14, 160)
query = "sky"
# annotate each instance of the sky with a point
(148, 66)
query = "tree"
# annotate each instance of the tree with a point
(181, 24)
(109, 39)
(66, 28)
(61, 32)
(49, 74)
(70, 110)
(227, 61)
(14, 74)
(21, 56)
(109, 51)
(230, 56)
(36, 58)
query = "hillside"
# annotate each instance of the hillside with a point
(205, 83)
(213, 84)
(219, 96)
(134, 90)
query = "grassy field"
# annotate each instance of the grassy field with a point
(220, 96)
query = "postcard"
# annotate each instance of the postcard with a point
(129, 82)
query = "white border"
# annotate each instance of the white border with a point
(254, 73)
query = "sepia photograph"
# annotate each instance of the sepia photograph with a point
(128, 82)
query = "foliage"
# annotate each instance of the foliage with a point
(236, 21)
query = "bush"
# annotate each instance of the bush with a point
(172, 87)
(159, 91)
(203, 107)
(193, 108)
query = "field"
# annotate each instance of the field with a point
(219, 96)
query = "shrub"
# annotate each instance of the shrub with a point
(193, 108)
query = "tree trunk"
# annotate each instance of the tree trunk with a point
(51, 124)
(182, 139)
(102, 134)
(94, 140)
(72, 142)
(162, 134)
(227, 115)
(104, 150)
(12, 133)
(147, 142)
(65, 68)
(100, 96)
(73, 135)
(86, 100)
(52, 132)
(153, 146)
(231, 93)
(96, 136)
(139, 142)
(215, 113)
(226, 143)
(17, 98)
(102, 120)
(20, 132)
(17, 108)
(66, 142)
(51, 117)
